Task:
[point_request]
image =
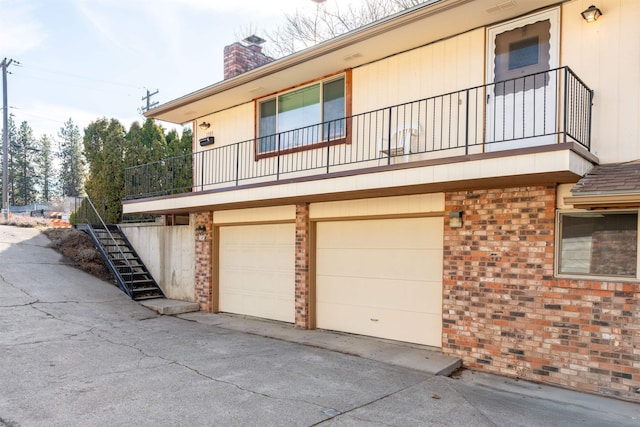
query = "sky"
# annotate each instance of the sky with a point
(87, 59)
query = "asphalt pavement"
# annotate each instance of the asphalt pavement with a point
(75, 351)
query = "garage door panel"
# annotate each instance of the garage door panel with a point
(379, 293)
(253, 281)
(252, 304)
(381, 278)
(385, 323)
(257, 270)
(256, 258)
(407, 264)
(257, 235)
(379, 233)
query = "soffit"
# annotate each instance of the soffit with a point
(406, 30)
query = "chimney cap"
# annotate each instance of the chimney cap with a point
(253, 39)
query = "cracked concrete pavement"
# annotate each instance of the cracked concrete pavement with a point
(74, 350)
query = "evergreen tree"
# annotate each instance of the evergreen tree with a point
(133, 140)
(104, 142)
(179, 145)
(12, 135)
(45, 168)
(71, 161)
(179, 159)
(23, 156)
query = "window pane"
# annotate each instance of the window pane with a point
(599, 244)
(297, 110)
(267, 126)
(333, 108)
(523, 53)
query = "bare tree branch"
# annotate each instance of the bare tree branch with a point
(305, 29)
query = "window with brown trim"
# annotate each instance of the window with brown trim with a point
(303, 117)
(598, 243)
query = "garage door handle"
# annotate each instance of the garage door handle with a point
(374, 320)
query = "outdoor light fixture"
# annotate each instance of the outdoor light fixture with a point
(455, 219)
(204, 125)
(591, 14)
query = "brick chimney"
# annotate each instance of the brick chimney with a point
(240, 58)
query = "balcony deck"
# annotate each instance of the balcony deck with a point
(492, 122)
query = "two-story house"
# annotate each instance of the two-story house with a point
(462, 175)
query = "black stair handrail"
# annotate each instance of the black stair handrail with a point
(129, 266)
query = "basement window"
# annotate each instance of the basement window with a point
(598, 243)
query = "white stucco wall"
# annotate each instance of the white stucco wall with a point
(169, 254)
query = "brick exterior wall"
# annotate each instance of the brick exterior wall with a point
(239, 59)
(204, 261)
(302, 278)
(504, 313)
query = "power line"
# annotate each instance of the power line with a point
(71, 84)
(93, 79)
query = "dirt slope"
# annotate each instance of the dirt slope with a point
(78, 247)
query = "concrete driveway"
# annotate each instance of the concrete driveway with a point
(74, 350)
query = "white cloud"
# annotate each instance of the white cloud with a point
(20, 31)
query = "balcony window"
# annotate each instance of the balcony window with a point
(598, 243)
(302, 117)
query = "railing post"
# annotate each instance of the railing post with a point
(278, 157)
(466, 127)
(173, 171)
(328, 144)
(389, 139)
(148, 183)
(237, 164)
(202, 170)
(566, 102)
(590, 116)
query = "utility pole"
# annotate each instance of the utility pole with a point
(5, 140)
(149, 103)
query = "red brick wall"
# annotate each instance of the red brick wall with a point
(203, 261)
(239, 59)
(303, 288)
(503, 311)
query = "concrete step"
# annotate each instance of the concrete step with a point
(170, 306)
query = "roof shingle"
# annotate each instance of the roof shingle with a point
(613, 178)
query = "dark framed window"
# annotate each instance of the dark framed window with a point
(598, 243)
(302, 117)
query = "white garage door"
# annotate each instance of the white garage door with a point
(257, 275)
(381, 278)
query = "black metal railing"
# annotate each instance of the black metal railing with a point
(113, 252)
(538, 109)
